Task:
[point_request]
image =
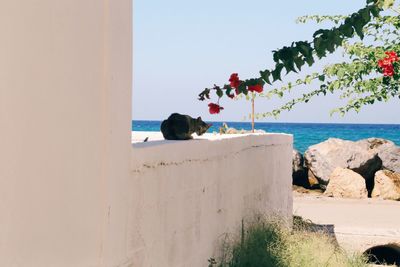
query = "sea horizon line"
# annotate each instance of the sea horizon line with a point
(263, 122)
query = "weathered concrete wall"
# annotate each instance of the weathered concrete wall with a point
(187, 194)
(65, 126)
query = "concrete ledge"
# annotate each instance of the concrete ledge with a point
(185, 195)
(206, 147)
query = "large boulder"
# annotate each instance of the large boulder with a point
(323, 158)
(346, 183)
(387, 185)
(386, 150)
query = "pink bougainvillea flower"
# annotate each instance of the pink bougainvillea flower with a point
(256, 88)
(231, 95)
(234, 81)
(214, 108)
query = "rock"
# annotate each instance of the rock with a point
(259, 131)
(387, 185)
(299, 173)
(232, 131)
(226, 130)
(323, 158)
(346, 183)
(387, 151)
(313, 181)
(374, 143)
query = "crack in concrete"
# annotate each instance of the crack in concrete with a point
(177, 163)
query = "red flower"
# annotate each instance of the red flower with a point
(383, 63)
(214, 108)
(234, 81)
(386, 64)
(388, 71)
(256, 88)
(392, 56)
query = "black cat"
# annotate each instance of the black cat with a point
(181, 127)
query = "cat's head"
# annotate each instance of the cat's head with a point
(201, 126)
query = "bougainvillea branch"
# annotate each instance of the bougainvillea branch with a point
(370, 74)
(236, 86)
(292, 58)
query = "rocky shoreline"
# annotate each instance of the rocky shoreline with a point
(340, 168)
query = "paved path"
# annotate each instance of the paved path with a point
(357, 224)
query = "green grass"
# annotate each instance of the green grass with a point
(268, 245)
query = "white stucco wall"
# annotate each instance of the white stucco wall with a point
(65, 125)
(187, 194)
(73, 190)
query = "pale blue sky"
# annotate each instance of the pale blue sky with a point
(181, 47)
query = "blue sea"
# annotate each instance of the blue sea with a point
(305, 134)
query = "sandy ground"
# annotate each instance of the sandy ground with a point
(356, 224)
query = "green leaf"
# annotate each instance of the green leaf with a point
(286, 53)
(346, 30)
(310, 60)
(330, 44)
(205, 94)
(388, 3)
(365, 14)
(276, 56)
(308, 79)
(228, 91)
(220, 93)
(276, 74)
(242, 88)
(358, 24)
(320, 47)
(289, 65)
(336, 85)
(337, 38)
(320, 33)
(304, 48)
(265, 76)
(340, 73)
(375, 10)
(299, 62)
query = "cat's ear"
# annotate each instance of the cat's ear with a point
(199, 119)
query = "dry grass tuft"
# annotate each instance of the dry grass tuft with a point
(264, 244)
